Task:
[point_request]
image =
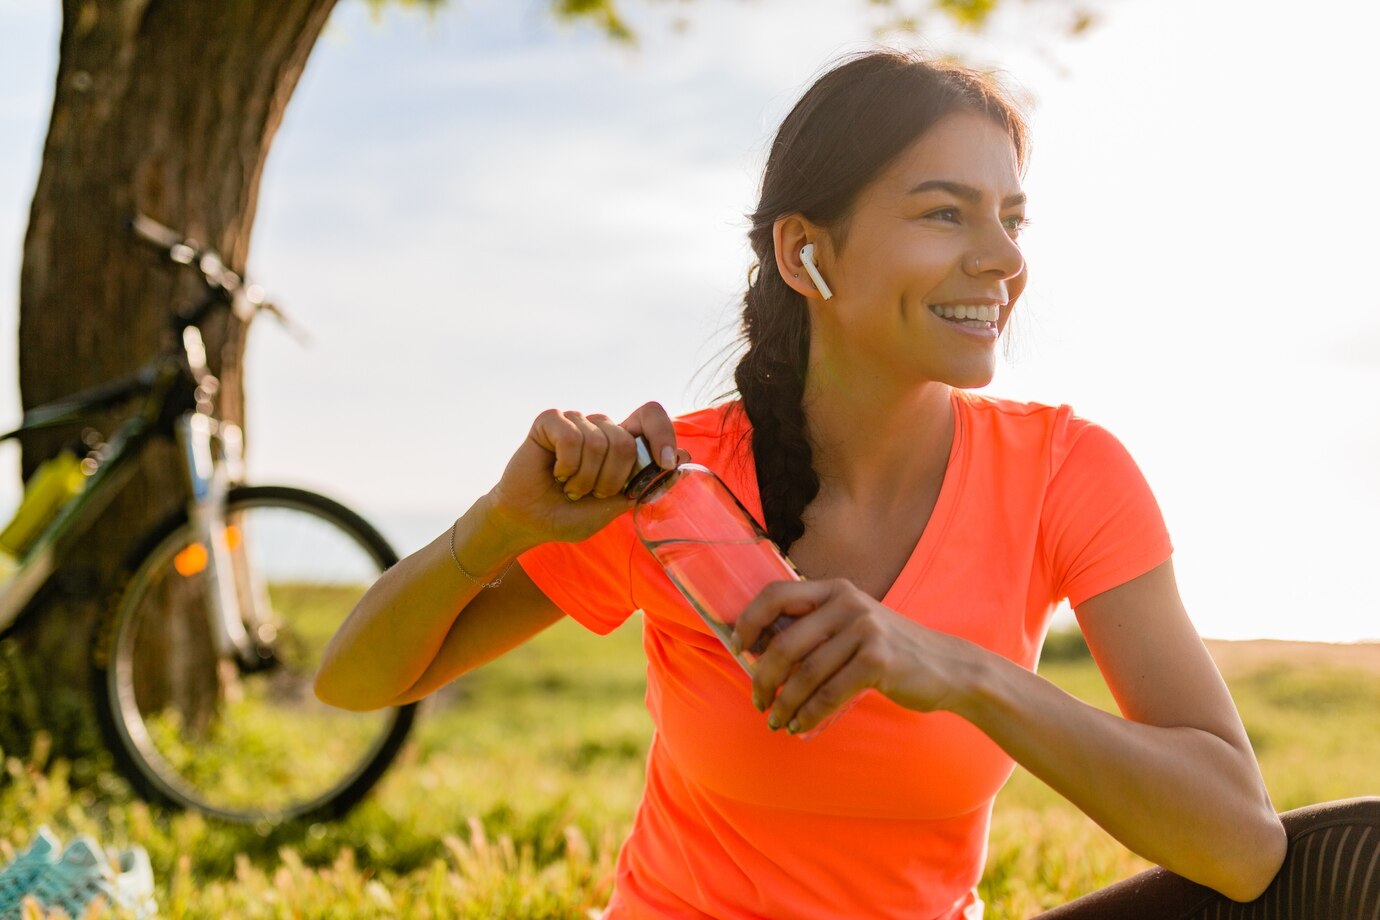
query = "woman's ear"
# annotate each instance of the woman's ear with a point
(790, 234)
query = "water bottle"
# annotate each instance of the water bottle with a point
(52, 485)
(710, 546)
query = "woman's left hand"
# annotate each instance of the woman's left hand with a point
(843, 642)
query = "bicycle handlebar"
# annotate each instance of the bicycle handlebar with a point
(186, 252)
(227, 287)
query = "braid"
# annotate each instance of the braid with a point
(771, 380)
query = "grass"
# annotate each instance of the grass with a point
(522, 778)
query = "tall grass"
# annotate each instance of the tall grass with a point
(522, 779)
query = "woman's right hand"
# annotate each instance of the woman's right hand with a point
(565, 481)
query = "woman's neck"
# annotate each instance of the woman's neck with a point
(872, 448)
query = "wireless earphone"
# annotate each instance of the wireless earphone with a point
(807, 256)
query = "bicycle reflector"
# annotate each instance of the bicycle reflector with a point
(193, 559)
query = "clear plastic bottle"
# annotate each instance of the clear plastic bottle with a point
(710, 546)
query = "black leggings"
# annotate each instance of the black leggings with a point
(1331, 872)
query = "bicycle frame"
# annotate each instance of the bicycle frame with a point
(212, 455)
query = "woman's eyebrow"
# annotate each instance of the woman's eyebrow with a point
(965, 192)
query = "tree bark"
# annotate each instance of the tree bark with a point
(166, 108)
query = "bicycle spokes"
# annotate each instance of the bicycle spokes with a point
(255, 737)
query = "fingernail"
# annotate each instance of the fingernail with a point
(756, 702)
(773, 722)
(735, 643)
(562, 479)
(793, 726)
(668, 458)
(572, 496)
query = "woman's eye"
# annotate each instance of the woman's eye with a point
(1016, 224)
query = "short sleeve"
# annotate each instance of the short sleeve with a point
(590, 580)
(1101, 524)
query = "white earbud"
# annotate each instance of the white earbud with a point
(807, 256)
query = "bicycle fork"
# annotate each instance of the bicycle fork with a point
(235, 592)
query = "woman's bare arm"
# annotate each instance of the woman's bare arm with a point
(1176, 779)
(423, 623)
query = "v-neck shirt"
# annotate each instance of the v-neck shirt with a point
(886, 812)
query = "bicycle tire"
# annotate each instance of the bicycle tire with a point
(163, 756)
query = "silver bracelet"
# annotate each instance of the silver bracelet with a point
(484, 584)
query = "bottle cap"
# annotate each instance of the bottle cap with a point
(645, 470)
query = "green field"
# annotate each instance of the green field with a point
(522, 778)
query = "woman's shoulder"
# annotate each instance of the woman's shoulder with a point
(711, 420)
(725, 422)
(1050, 428)
(1014, 415)
(716, 436)
(999, 407)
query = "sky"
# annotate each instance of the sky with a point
(482, 214)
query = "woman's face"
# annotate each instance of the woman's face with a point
(933, 235)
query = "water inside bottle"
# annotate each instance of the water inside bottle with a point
(719, 579)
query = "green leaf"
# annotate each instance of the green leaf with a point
(604, 13)
(971, 14)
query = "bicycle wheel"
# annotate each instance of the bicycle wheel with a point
(246, 743)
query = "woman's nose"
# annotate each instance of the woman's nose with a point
(995, 252)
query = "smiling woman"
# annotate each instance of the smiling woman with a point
(937, 529)
(944, 249)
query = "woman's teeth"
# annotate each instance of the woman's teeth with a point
(966, 311)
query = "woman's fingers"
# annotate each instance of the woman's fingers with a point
(565, 458)
(651, 421)
(557, 432)
(842, 684)
(595, 456)
(797, 646)
(806, 675)
(779, 598)
(618, 459)
(594, 446)
(823, 658)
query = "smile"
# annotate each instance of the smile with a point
(960, 312)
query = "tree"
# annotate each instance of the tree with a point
(165, 108)
(168, 108)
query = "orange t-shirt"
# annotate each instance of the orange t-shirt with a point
(886, 812)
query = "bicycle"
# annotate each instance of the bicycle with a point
(207, 647)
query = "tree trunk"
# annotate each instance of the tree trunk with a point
(165, 108)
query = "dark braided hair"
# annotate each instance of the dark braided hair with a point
(845, 130)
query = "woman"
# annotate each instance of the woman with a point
(937, 530)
